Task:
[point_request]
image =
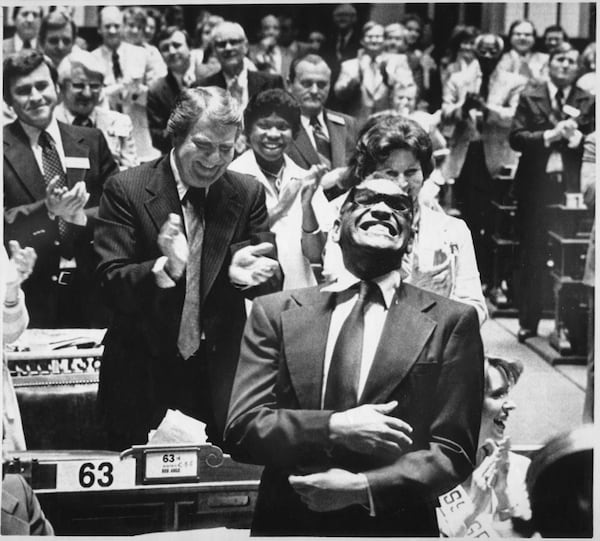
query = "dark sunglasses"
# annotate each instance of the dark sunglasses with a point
(368, 198)
(55, 40)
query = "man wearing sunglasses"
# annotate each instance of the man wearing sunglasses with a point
(231, 47)
(81, 80)
(362, 398)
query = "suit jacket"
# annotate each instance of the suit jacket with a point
(117, 130)
(503, 96)
(141, 343)
(162, 97)
(533, 116)
(26, 219)
(429, 359)
(342, 138)
(257, 81)
(21, 511)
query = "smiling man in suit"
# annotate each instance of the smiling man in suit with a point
(325, 137)
(53, 178)
(182, 244)
(231, 47)
(362, 399)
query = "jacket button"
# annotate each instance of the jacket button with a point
(54, 278)
(56, 243)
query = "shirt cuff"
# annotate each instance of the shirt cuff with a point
(546, 136)
(575, 139)
(371, 501)
(163, 280)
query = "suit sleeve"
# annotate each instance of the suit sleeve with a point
(257, 429)
(454, 430)
(127, 281)
(523, 136)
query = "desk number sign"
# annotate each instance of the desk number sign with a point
(171, 465)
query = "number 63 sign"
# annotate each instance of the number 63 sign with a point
(108, 474)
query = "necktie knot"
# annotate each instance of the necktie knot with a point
(27, 44)
(82, 120)
(196, 197)
(369, 292)
(45, 139)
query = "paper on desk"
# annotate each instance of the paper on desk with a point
(176, 427)
(222, 534)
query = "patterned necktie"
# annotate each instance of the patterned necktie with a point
(341, 392)
(321, 141)
(188, 340)
(116, 66)
(53, 168)
(82, 120)
(560, 101)
(236, 90)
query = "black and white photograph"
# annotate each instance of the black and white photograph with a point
(298, 269)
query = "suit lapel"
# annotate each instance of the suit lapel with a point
(254, 83)
(74, 148)
(305, 331)
(19, 155)
(541, 96)
(222, 212)
(337, 141)
(163, 198)
(305, 148)
(405, 333)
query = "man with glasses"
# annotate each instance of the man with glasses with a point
(27, 25)
(53, 178)
(57, 35)
(362, 398)
(81, 78)
(231, 47)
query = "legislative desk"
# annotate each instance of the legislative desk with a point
(96, 492)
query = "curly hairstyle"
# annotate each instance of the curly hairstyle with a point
(382, 134)
(273, 100)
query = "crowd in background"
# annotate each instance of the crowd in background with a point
(321, 114)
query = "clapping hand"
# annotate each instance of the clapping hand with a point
(174, 246)
(67, 204)
(250, 267)
(311, 181)
(22, 262)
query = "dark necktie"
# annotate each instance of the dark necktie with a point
(188, 340)
(27, 44)
(116, 66)
(341, 392)
(53, 168)
(321, 141)
(485, 87)
(81, 120)
(560, 101)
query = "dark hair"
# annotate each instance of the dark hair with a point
(23, 63)
(55, 21)
(167, 32)
(413, 17)
(383, 133)
(172, 13)
(214, 102)
(460, 34)
(311, 58)
(16, 10)
(274, 100)
(564, 47)
(555, 28)
(517, 23)
(511, 369)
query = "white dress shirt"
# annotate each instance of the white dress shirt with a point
(375, 315)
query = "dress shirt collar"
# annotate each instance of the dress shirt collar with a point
(182, 187)
(70, 117)
(388, 284)
(33, 133)
(306, 120)
(19, 43)
(553, 89)
(242, 78)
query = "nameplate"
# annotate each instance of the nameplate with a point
(171, 465)
(72, 162)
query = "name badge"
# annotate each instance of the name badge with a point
(73, 162)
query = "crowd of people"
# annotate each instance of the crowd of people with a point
(166, 184)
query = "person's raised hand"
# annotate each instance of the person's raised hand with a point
(174, 246)
(250, 265)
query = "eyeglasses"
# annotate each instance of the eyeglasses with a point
(222, 43)
(55, 40)
(368, 198)
(80, 87)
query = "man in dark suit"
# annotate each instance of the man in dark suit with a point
(231, 47)
(174, 46)
(548, 129)
(53, 178)
(325, 136)
(178, 298)
(363, 410)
